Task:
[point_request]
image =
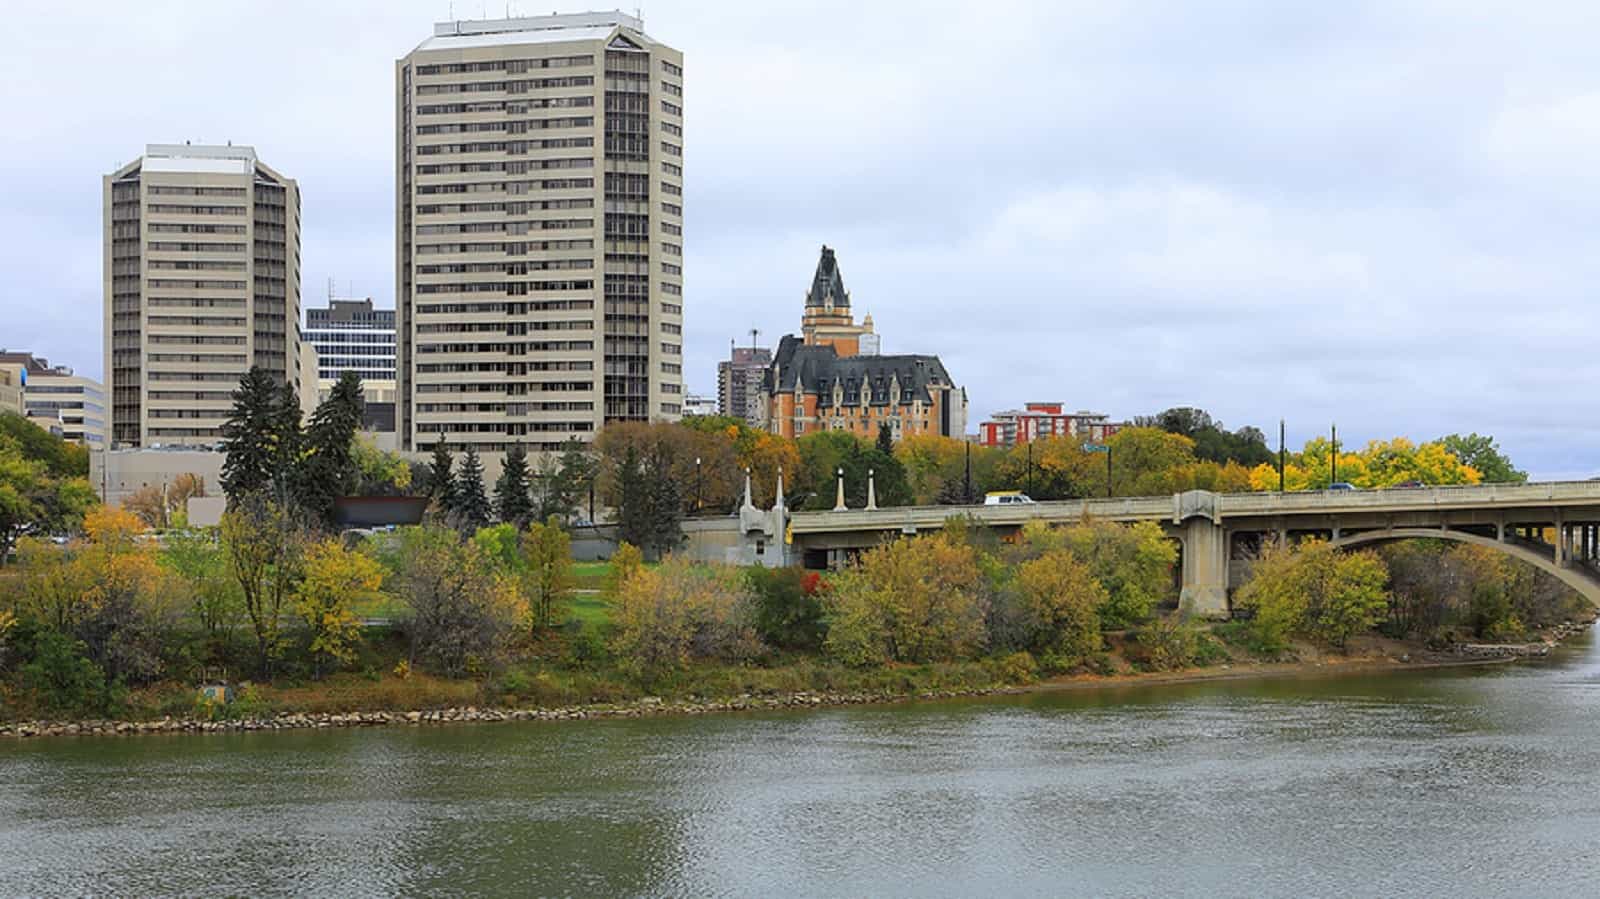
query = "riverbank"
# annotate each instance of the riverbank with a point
(1367, 655)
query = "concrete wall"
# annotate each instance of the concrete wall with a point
(115, 474)
(716, 540)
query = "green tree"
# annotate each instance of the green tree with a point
(1060, 600)
(328, 469)
(460, 610)
(1133, 563)
(441, 478)
(548, 550)
(650, 511)
(62, 459)
(788, 607)
(381, 473)
(201, 565)
(511, 499)
(261, 437)
(885, 439)
(1316, 591)
(265, 542)
(469, 509)
(1480, 452)
(34, 498)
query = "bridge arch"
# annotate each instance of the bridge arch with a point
(1586, 585)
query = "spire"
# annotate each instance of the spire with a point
(827, 285)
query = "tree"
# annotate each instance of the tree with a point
(379, 472)
(885, 439)
(681, 610)
(261, 437)
(469, 509)
(328, 469)
(625, 562)
(511, 500)
(1051, 468)
(334, 577)
(1144, 461)
(441, 478)
(548, 550)
(61, 458)
(265, 541)
(650, 506)
(1381, 463)
(461, 611)
(917, 600)
(1060, 601)
(1212, 442)
(567, 480)
(788, 607)
(200, 564)
(1132, 563)
(149, 503)
(35, 498)
(1481, 453)
(1314, 590)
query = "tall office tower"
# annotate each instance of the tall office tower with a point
(739, 382)
(68, 405)
(539, 231)
(202, 281)
(353, 335)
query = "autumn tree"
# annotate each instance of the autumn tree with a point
(1059, 601)
(916, 600)
(625, 562)
(1381, 463)
(681, 610)
(1051, 468)
(1133, 563)
(1480, 453)
(379, 472)
(38, 496)
(334, 577)
(1314, 590)
(460, 610)
(548, 551)
(265, 541)
(200, 564)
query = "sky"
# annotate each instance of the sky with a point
(1376, 214)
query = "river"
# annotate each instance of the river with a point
(1462, 782)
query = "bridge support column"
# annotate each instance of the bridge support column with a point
(1560, 541)
(1205, 570)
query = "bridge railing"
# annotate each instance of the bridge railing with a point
(1453, 495)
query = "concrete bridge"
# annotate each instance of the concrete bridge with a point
(1553, 526)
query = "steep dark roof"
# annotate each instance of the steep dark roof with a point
(827, 281)
(818, 368)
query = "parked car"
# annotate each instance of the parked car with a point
(1411, 484)
(1006, 498)
(1341, 485)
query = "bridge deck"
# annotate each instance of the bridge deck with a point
(1174, 508)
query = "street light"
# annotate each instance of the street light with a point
(1102, 448)
(697, 485)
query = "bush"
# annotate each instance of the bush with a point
(682, 610)
(63, 680)
(1059, 603)
(919, 600)
(461, 613)
(1018, 668)
(1315, 591)
(788, 607)
(1168, 645)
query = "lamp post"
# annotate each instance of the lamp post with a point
(1030, 468)
(1333, 458)
(838, 504)
(966, 485)
(697, 485)
(1102, 448)
(1282, 456)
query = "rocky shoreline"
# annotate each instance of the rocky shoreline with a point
(1467, 653)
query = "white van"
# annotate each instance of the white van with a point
(1006, 498)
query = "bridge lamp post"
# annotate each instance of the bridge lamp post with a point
(697, 485)
(1030, 468)
(1102, 448)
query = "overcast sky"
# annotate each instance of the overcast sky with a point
(1382, 214)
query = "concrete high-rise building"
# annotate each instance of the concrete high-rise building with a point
(68, 405)
(202, 281)
(539, 231)
(739, 382)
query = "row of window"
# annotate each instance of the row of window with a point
(509, 106)
(506, 227)
(502, 327)
(506, 65)
(538, 346)
(189, 228)
(505, 408)
(513, 127)
(510, 208)
(502, 388)
(185, 209)
(188, 247)
(510, 288)
(476, 87)
(508, 308)
(511, 368)
(176, 191)
(505, 268)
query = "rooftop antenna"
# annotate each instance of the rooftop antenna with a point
(754, 333)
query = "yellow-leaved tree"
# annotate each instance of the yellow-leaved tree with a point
(916, 600)
(334, 579)
(549, 577)
(1060, 601)
(1314, 590)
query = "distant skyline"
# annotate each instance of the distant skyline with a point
(1380, 214)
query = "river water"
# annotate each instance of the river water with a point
(1466, 782)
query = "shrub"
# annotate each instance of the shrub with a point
(461, 612)
(1316, 591)
(1059, 602)
(917, 600)
(683, 610)
(788, 607)
(64, 681)
(1019, 668)
(1168, 645)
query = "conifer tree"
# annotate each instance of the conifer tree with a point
(469, 505)
(511, 499)
(885, 439)
(328, 470)
(261, 436)
(441, 478)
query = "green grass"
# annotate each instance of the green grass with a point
(590, 610)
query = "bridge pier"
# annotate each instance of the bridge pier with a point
(1205, 570)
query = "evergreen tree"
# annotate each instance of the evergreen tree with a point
(469, 507)
(441, 477)
(885, 440)
(511, 489)
(328, 470)
(650, 511)
(574, 477)
(261, 436)
(633, 511)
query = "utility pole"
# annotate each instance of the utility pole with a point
(1108, 469)
(1282, 456)
(966, 490)
(1030, 469)
(1333, 478)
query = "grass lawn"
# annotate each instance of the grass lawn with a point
(590, 609)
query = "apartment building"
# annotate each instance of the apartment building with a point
(56, 399)
(202, 281)
(1037, 421)
(539, 231)
(739, 382)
